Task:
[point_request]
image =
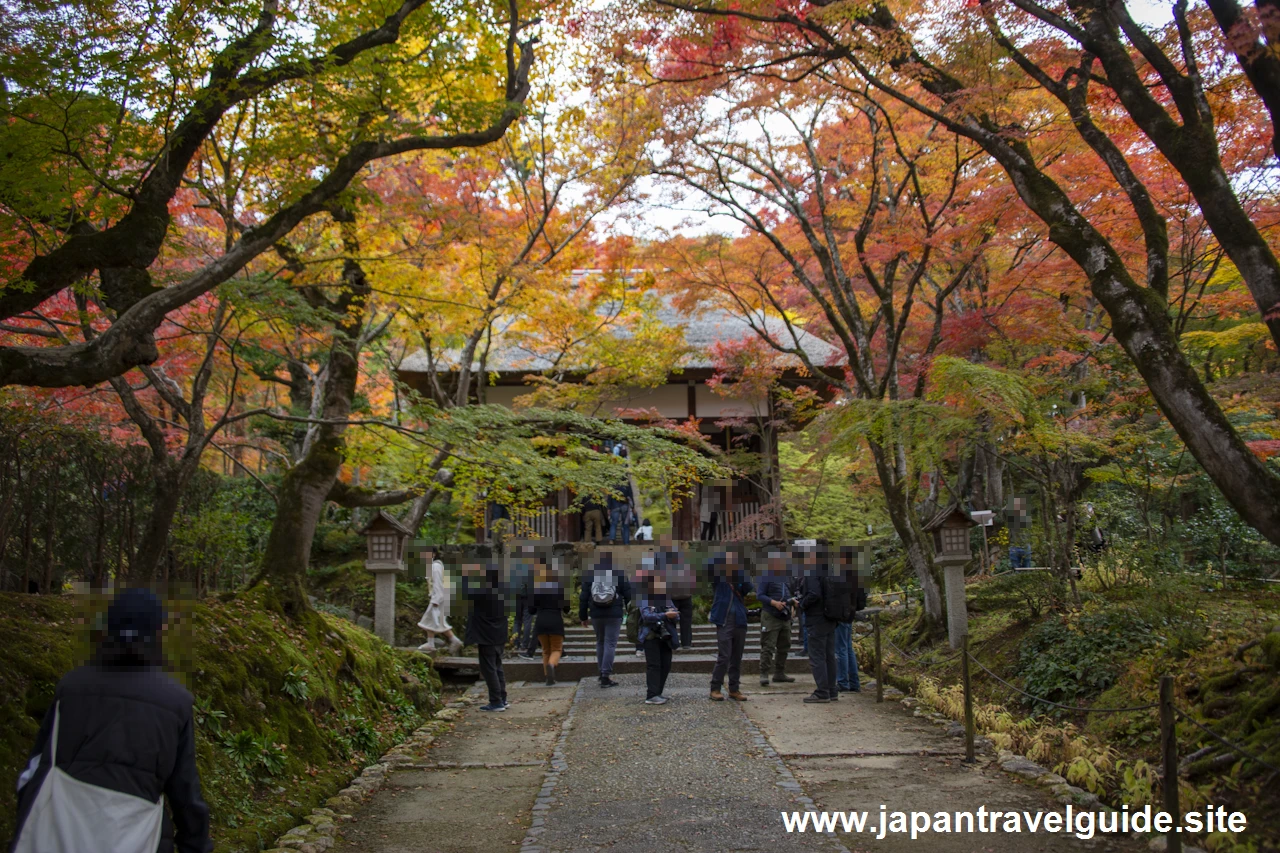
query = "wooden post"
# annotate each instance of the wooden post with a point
(875, 621)
(969, 754)
(1169, 750)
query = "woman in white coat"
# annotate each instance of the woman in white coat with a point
(436, 618)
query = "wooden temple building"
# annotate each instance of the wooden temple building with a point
(686, 394)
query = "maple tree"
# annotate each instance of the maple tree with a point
(860, 220)
(1098, 84)
(102, 132)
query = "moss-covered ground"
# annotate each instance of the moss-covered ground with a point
(1222, 645)
(287, 711)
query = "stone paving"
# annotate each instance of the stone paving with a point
(578, 769)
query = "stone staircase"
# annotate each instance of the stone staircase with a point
(579, 657)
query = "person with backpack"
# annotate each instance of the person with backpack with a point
(657, 633)
(115, 745)
(601, 603)
(730, 588)
(621, 505)
(826, 602)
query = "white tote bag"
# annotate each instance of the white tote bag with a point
(70, 816)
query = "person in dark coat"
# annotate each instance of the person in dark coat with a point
(847, 680)
(522, 624)
(621, 506)
(658, 634)
(730, 586)
(550, 606)
(593, 520)
(826, 601)
(487, 628)
(126, 726)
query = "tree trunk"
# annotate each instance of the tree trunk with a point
(1140, 323)
(100, 543)
(47, 585)
(167, 487)
(305, 487)
(26, 552)
(898, 502)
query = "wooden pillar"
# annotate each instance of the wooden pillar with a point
(564, 521)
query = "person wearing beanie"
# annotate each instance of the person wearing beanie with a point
(117, 739)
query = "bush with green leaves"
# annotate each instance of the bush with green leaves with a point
(256, 756)
(1072, 658)
(295, 683)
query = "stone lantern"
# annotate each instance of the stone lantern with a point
(386, 538)
(950, 530)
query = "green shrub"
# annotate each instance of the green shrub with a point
(1067, 660)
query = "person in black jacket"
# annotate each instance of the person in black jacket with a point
(487, 628)
(126, 726)
(550, 606)
(814, 587)
(847, 680)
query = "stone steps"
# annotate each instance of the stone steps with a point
(574, 667)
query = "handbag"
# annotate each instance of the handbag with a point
(70, 816)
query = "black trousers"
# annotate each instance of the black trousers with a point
(657, 666)
(822, 655)
(491, 670)
(731, 641)
(685, 606)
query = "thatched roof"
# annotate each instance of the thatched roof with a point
(702, 328)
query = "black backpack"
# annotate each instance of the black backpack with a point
(837, 598)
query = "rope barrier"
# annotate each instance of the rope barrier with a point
(1075, 708)
(1233, 746)
(909, 656)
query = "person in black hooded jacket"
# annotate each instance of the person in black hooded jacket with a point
(126, 726)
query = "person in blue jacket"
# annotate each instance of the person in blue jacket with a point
(730, 587)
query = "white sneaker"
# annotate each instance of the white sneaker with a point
(455, 646)
(428, 646)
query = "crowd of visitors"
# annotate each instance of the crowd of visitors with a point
(818, 587)
(118, 739)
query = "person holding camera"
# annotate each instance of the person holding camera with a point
(775, 619)
(658, 636)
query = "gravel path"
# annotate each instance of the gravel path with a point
(685, 776)
(577, 769)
